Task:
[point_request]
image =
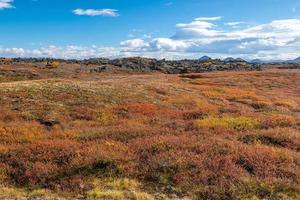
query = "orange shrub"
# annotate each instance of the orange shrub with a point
(7, 116)
(182, 102)
(236, 94)
(277, 120)
(206, 107)
(286, 103)
(21, 133)
(137, 108)
(82, 113)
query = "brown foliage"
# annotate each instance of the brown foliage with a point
(209, 136)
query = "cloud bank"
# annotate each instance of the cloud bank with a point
(279, 39)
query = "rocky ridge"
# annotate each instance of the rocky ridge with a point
(138, 64)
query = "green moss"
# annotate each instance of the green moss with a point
(236, 123)
(123, 184)
(12, 193)
(250, 197)
(16, 193)
(28, 116)
(141, 196)
(251, 189)
(288, 190)
(109, 194)
(106, 117)
(117, 189)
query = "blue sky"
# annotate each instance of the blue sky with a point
(174, 29)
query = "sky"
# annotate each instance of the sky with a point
(171, 29)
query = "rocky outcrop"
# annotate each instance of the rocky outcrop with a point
(174, 67)
(138, 64)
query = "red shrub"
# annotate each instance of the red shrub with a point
(138, 108)
(45, 163)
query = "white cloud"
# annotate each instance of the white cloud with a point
(234, 24)
(12, 52)
(99, 12)
(208, 18)
(82, 52)
(167, 44)
(6, 4)
(134, 43)
(199, 27)
(156, 44)
(65, 52)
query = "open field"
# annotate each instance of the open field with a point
(220, 135)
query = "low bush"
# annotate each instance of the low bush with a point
(286, 103)
(277, 137)
(277, 120)
(46, 163)
(222, 136)
(123, 184)
(54, 64)
(260, 104)
(106, 117)
(235, 123)
(267, 163)
(193, 115)
(206, 107)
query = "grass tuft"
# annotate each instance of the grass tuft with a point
(236, 123)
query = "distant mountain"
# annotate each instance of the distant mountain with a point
(204, 58)
(230, 59)
(297, 60)
(239, 60)
(257, 61)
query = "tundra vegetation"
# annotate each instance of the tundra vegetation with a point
(85, 135)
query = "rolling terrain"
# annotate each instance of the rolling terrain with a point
(70, 132)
